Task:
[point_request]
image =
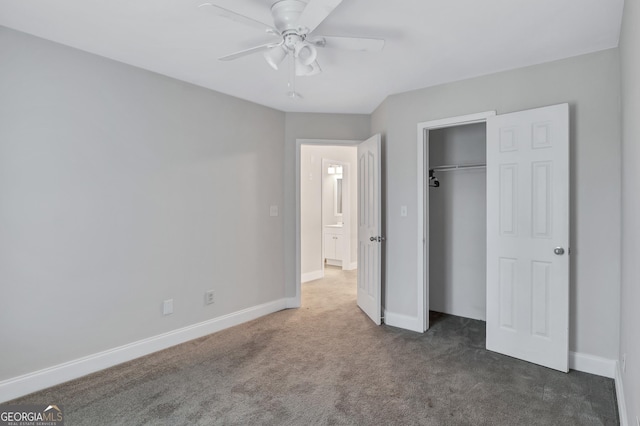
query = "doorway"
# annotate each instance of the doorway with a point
(366, 227)
(328, 197)
(424, 207)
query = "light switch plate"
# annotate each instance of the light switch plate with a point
(273, 211)
(167, 307)
(403, 211)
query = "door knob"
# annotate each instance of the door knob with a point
(559, 251)
(373, 239)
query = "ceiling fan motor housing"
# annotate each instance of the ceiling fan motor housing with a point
(291, 40)
(286, 13)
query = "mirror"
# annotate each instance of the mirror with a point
(337, 197)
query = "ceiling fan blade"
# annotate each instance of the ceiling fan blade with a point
(348, 43)
(236, 17)
(314, 13)
(246, 52)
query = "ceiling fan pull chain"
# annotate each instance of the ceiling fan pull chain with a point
(292, 80)
(292, 75)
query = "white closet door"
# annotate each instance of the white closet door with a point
(528, 235)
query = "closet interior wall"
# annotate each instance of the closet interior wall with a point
(457, 222)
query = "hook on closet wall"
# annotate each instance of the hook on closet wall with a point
(433, 181)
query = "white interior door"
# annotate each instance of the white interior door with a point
(369, 228)
(528, 235)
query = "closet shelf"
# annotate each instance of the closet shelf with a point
(452, 167)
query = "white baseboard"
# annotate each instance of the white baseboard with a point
(592, 364)
(352, 266)
(403, 321)
(31, 382)
(602, 367)
(310, 276)
(622, 405)
(293, 302)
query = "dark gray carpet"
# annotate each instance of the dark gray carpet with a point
(326, 363)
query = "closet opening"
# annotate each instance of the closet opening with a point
(491, 239)
(455, 207)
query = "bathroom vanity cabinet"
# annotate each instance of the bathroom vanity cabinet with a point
(333, 242)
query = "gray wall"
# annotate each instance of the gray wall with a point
(121, 188)
(591, 85)
(458, 223)
(310, 126)
(630, 313)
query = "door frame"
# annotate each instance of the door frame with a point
(297, 300)
(422, 283)
(346, 211)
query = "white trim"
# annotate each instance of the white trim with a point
(31, 382)
(403, 321)
(422, 204)
(310, 276)
(346, 211)
(460, 120)
(292, 303)
(592, 364)
(423, 248)
(352, 266)
(346, 215)
(622, 404)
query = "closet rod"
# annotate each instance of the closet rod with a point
(457, 167)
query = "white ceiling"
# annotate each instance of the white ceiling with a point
(428, 42)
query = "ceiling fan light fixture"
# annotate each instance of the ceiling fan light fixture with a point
(275, 56)
(316, 68)
(306, 53)
(302, 69)
(307, 70)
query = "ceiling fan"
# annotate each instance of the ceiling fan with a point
(294, 21)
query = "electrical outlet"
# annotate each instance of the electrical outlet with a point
(624, 363)
(167, 307)
(208, 297)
